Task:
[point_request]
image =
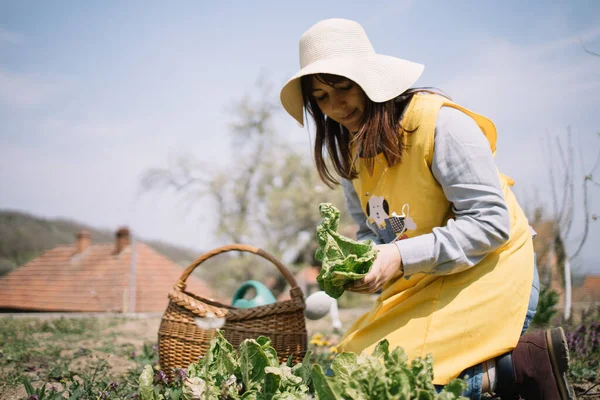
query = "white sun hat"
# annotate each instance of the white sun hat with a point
(341, 47)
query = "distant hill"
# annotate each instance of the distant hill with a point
(24, 236)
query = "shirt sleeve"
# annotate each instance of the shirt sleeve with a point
(357, 214)
(464, 166)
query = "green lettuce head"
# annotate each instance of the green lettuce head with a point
(343, 260)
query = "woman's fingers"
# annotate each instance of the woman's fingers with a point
(364, 285)
(366, 290)
(351, 287)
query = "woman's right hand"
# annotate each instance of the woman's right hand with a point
(387, 265)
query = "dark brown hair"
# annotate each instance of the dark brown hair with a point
(380, 132)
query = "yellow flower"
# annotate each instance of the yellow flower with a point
(333, 349)
(320, 343)
(318, 339)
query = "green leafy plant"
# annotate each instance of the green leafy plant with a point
(546, 309)
(253, 372)
(93, 384)
(584, 347)
(382, 375)
(343, 260)
(38, 393)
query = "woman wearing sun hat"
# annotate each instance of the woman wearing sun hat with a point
(455, 261)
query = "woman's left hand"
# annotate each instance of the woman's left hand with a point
(387, 265)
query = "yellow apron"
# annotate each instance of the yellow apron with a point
(464, 318)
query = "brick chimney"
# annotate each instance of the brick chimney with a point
(83, 239)
(123, 239)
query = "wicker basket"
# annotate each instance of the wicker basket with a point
(181, 341)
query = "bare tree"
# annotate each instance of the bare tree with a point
(565, 179)
(268, 196)
(233, 190)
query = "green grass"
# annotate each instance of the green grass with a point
(47, 358)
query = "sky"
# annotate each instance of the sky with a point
(92, 94)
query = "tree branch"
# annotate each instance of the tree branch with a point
(571, 184)
(586, 222)
(589, 178)
(595, 163)
(565, 184)
(158, 178)
(552, 183)
(587, 50)
(586, 211)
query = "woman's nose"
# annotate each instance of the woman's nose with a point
(339, 102)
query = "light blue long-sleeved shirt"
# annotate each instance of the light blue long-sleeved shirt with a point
(464, 166)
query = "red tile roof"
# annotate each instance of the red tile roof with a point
(590, 290)
(97, 280)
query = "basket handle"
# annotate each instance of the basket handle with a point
(237, 247)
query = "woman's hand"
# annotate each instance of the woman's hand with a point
(387, 265)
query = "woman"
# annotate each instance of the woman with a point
(455, 262)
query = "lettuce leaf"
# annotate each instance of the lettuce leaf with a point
(194, 388)
(254, 358)
(343, 260)
(252, 372)
(219, 361)
(146, 382)
(382, 375)
(326, 388)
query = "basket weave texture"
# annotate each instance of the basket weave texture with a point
(181, 341)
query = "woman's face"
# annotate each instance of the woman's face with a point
(343, 102)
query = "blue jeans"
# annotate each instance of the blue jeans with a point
(475, 373)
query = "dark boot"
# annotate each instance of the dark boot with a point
(536, 369)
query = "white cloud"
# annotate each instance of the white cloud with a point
(569, 41)
(533, 91)
(529, 90)
(522, 82)
(25, 90)
(89, 168)
(91, 130)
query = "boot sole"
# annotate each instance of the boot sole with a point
(559, 357)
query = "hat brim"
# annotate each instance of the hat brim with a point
(381, 77)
